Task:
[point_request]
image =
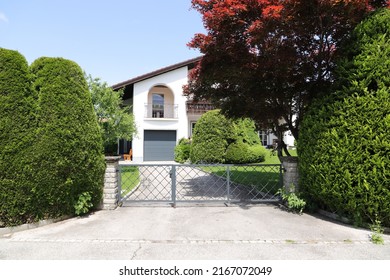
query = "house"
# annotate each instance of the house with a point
(162, 114)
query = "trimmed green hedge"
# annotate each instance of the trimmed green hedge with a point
(17, 130)
(51, 153)
(182, 150)
(69, 161)
(239, 152)
(344, 144)
(212, 135)
(218, 139)
(258, 153)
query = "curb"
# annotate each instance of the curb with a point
(10, 230)
(344, 220)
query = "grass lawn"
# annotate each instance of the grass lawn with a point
(273, 159)
(129, 178)
(264, 178)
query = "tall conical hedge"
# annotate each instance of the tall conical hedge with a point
(17, 129)
(69, 161)
(344, 145)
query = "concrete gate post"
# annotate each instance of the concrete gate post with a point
(290, 174)
(111, 188)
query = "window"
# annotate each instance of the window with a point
(264, 138)
(158, 105)
(192, 126)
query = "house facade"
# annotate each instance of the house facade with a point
(162, 113)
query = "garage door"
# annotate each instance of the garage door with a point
(159, 145)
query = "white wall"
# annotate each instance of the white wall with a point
(174, 80)
(288, 138)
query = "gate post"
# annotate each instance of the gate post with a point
(111, 190)
(173, 185)
(228, 183)
(290, 176)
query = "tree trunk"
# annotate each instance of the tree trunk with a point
(281, 145)
(284, 147)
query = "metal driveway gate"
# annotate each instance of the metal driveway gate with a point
(199, 183)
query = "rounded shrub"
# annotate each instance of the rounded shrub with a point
(212, 135)
(182, 150)
(68, 151)
(238, 152)
(17, 129)
(344, 144)
(257, 153)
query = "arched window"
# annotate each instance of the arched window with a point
(160, 103)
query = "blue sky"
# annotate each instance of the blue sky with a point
(114, 40)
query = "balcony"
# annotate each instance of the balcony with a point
(161, 111)
(198, 108)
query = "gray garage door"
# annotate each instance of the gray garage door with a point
(159, 145)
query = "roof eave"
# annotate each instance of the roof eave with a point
(156, 73)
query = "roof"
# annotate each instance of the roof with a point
(157, 72)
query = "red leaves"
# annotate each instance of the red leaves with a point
(200, 41)
(271, 51)
(272, 11)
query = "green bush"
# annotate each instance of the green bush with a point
(83, 204)
(17, 129)
(237, 153)
(246, 132)
(257, 153)
(51, 157)
(218, 139)
(292, 200)
(212, 135)
(68, 151)
(344, 144)
(182, 150)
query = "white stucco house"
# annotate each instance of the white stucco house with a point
(163, 115)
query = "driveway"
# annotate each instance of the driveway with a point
(199, 233)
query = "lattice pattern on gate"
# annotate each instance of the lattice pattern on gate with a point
(200, 183)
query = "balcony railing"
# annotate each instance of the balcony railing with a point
(161, 111)
(196, 108)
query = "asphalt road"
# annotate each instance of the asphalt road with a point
(194, 233)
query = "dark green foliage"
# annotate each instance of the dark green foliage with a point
(51, 157)
(68, 152)
(258, 153)
(218, 139)
(344, 145)
(366, 63)
(212, 135)
(246, 132)
(17, 128)
(182, 150)
(238, 152)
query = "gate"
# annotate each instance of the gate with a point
(185, 183)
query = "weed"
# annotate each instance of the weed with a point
(292, 200)
(83, 204)
(377, 231)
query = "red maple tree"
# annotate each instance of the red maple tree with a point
(268, 59)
